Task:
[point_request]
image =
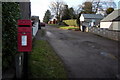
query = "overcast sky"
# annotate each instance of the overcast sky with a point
(39, 7)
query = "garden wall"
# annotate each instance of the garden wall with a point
(114, 35)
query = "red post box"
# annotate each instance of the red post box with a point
(24, 35)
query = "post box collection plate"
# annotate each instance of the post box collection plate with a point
(24, 40)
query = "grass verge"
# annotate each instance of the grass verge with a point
(44, 63)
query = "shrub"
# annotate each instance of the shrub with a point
(10, 15)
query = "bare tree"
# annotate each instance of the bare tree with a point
(57, 8)
(78, 9)
(96, 5)
(101, 5)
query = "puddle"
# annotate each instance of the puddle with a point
(106, 54)
(48, 33)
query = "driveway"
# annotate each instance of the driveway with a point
(85, 55)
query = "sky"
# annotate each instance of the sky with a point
(39, 7)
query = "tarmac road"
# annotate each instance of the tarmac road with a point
(85, 55)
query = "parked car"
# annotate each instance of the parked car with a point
(42, 24)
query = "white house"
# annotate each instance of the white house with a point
(90, 19)
(112, 21)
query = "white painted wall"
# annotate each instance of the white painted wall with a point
(116, 26)
(81, 18)
(105, 24)
(110, 25)
(35, 28)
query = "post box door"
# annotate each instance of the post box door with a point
(24, 42)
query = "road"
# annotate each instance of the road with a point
(85, 55)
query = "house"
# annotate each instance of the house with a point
(91, 19)
(53, 20)
(111, 21)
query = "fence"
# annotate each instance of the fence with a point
(35, 29)
(111, 34)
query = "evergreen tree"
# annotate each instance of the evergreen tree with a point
(47, 16)
(72, 13)
(109, 10)
(65, 15)
(68, 13)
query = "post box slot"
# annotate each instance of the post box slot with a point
(24, 25)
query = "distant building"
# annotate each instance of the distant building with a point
(53, 20)
(91, 19)
(111, 21)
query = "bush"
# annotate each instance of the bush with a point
(71, 22)
(10, 15)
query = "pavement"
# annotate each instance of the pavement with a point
(85, 55)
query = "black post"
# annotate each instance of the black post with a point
(19, 65)
(25, 66)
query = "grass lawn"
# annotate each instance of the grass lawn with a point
(44, 63)
(68, 27)
(58, 26)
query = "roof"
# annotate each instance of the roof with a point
(53, 17)
(117, 19)
(35, 18)
(92, 16)
(112, 16)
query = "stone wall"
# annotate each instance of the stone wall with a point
(114, 35)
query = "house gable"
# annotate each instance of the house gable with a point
(81, 17)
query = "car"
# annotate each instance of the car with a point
(42, 24)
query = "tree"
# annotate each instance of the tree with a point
(10, 15)
(109, 10)
(87, 7)
(96, 6)
(78, 9)
(47, 16)
(57, 8)
(72, 13)
(65, 15)
(68, 13)
(78, 21)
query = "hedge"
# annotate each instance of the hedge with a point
(71, 22)
(10, 15)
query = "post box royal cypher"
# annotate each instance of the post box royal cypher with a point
(24, 36)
